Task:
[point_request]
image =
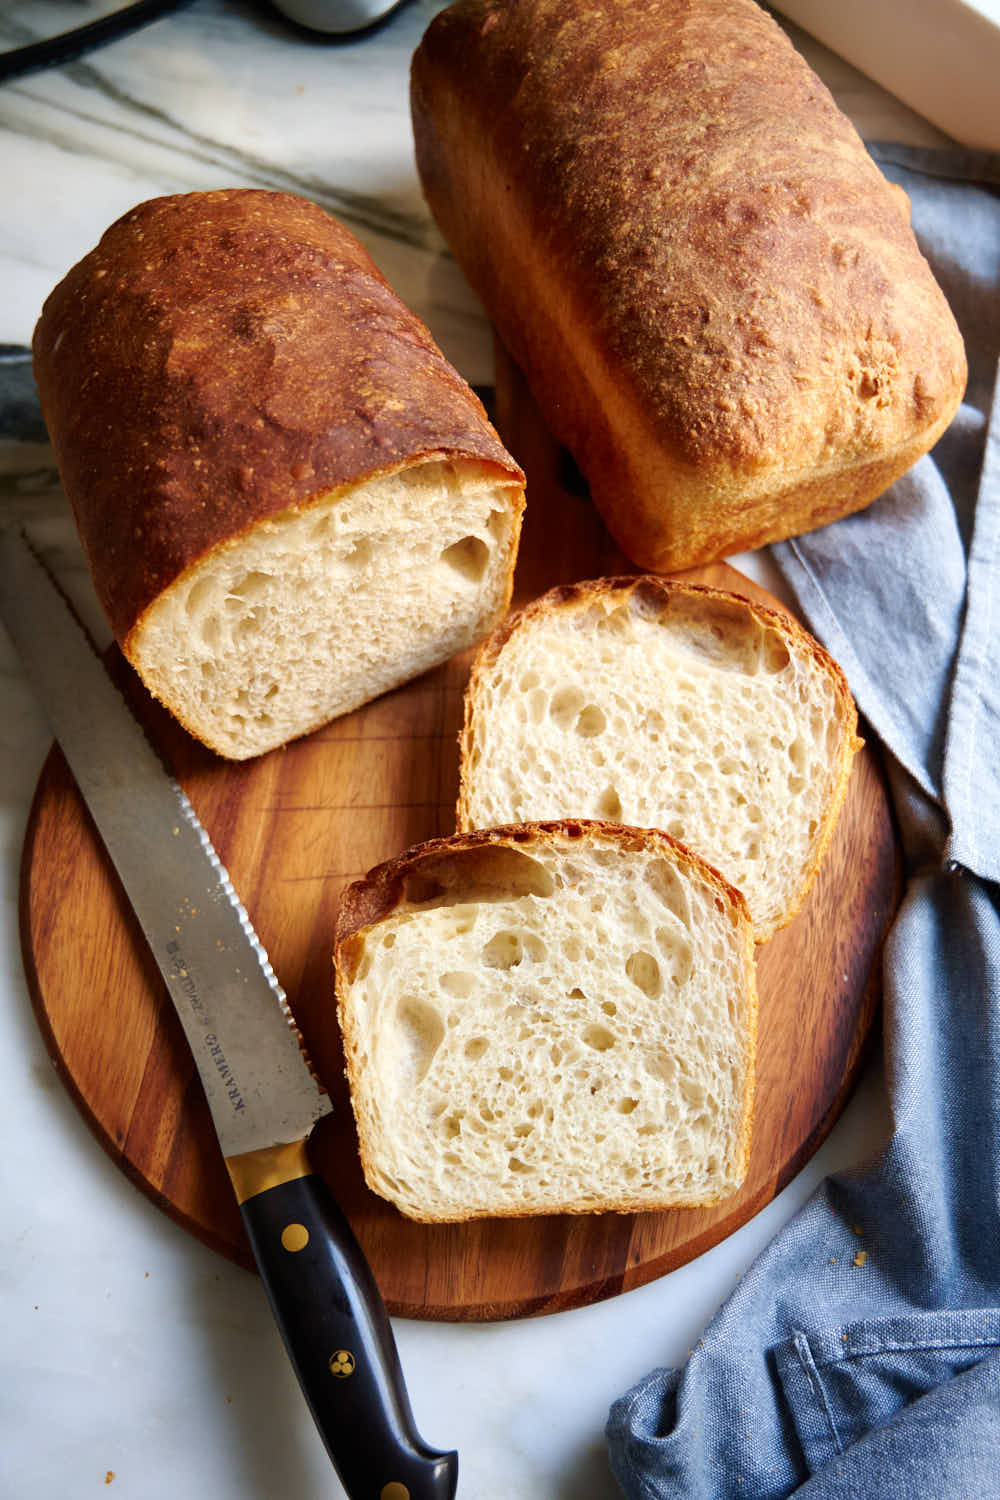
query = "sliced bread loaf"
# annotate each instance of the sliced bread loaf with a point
(314, 611)
(289, 500)
(548, 1018)
(670, 706)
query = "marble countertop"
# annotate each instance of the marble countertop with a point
(133, 1357)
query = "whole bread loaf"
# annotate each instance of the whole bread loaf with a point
(289, 501)
(666, 705)
(714, 294)
(554, 1018)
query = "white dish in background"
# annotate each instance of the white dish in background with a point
(941, 57)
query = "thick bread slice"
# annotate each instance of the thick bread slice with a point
(289, 500)
(670, 706)
(548, 1018)
(714, 294)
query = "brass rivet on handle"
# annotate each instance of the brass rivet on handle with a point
(394, 1491)
(295, 1237)
(341, 1363)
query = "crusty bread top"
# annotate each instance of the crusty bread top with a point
(429, 870)
(727, 243)
(220, 357)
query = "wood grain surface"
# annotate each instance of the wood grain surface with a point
(293, 828)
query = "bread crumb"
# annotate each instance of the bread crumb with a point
(858, 1230)
(109, 1476)
(861, 1257)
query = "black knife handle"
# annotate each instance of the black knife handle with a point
(336, 1330)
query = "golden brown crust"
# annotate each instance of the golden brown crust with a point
(219, 357)
(382, 892)
(713, 292)
(666, 594)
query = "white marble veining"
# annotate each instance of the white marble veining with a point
(131, 1356)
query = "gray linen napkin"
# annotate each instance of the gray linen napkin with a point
(823, 1377)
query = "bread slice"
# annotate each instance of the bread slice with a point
(548, 1018)
(289, 500)
(670, 706)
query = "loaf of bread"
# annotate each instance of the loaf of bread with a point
(714, 294)
(670, 706)
(549, 1018)
(289, 501)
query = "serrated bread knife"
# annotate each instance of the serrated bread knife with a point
(263, 1098)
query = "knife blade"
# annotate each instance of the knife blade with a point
(263, 1097)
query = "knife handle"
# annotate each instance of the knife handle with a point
(337, 1333)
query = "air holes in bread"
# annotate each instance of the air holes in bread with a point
(661, 1066)
(591, 721)
(199, 595)
(693, 1091)
(644, 972)
(599, 1038)
(676, 954)
(668, 888)
(459, 983)
(776, 654)
(489, 872)
(565, 706)
(570, 711)
(506, 949)
(420, 1034)
(251, 586)
(503, 951)
(469, 558)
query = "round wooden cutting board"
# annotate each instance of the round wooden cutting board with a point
(293, 828)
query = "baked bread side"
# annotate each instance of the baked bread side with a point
(666, 705)
(288, 498)
(714, 294)
(548, 1019)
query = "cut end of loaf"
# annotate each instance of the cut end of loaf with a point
(320, 609)
(548, 1019)
(669, 706)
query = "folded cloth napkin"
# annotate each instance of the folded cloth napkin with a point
(860, 1355)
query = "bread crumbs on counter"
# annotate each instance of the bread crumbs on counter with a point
(109, 1476)
(861, 1257)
